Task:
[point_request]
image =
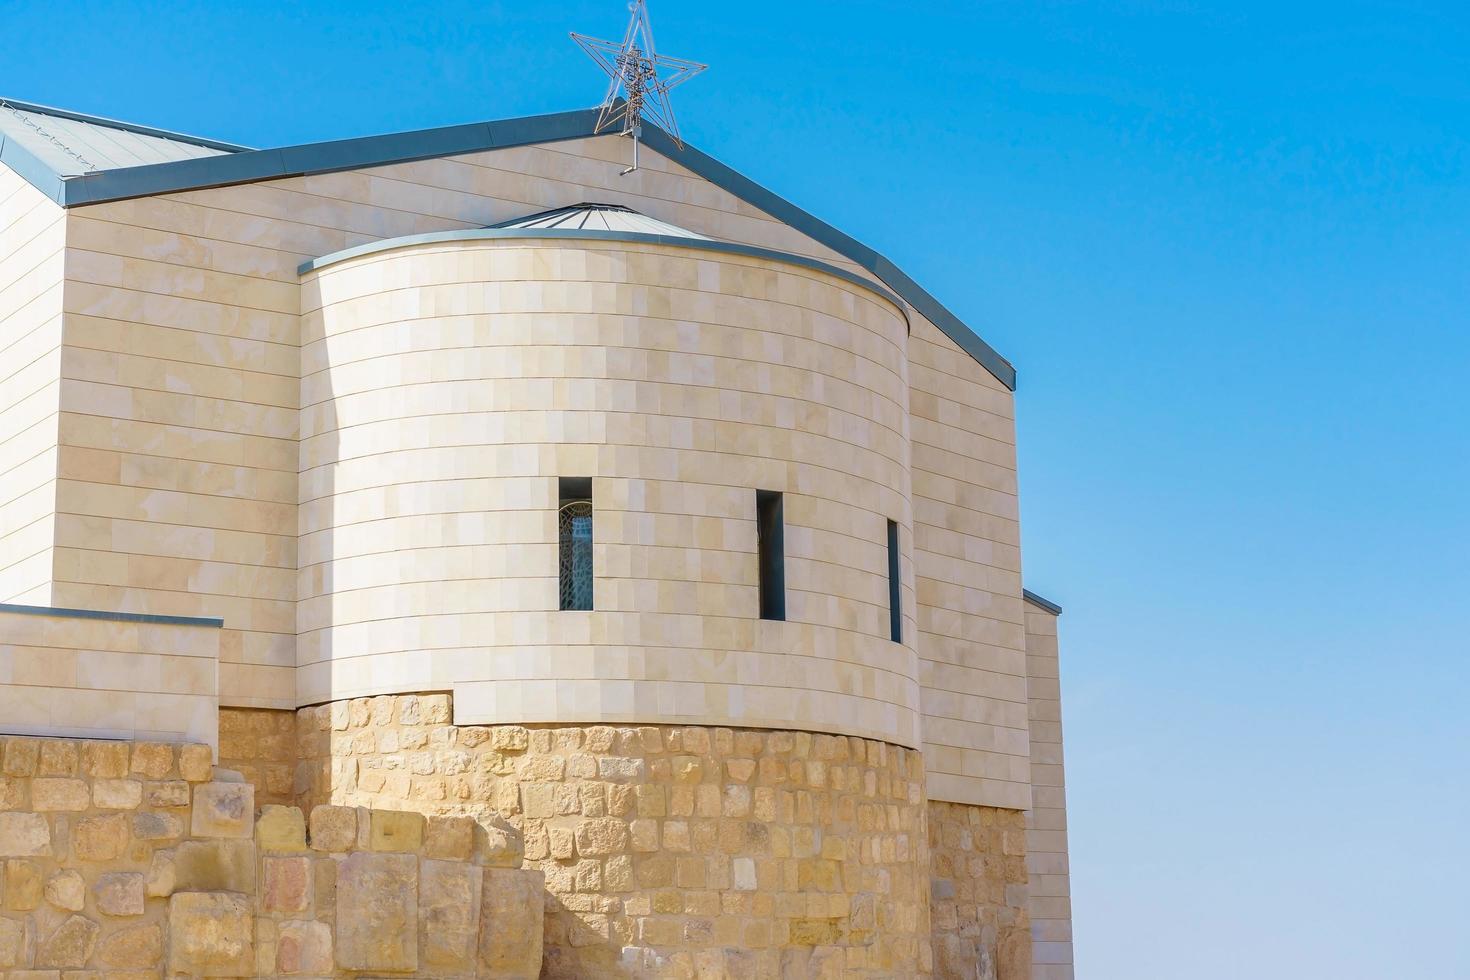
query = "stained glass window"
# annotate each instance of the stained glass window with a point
(575, 530)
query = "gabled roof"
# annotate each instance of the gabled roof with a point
(206, 163)
(600, 217)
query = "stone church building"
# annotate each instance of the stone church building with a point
(444, 525)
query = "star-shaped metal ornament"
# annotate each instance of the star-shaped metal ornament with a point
(633, 70)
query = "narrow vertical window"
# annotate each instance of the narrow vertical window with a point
(895, 595)
(770, 543)
(574, 529)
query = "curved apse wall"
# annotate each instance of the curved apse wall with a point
(447, 383)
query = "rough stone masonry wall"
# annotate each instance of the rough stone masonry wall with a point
(978, 892)
(125, 861)
(260, 744)
(667, 851)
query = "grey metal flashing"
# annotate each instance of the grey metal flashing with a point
(25, 164)
(1037, 600)
(601, 235)
(121, 617)
(249, 166)
(126, 127)
(324, 158)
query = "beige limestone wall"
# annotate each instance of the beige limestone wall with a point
(1046, 822)
(446, 387)
(668, 851)
(178, 458)
(32, 239)
(260, 744)
(126, 861)
(105, 676)
(967, 576)
(978, 892)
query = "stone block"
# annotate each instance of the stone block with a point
(152, 760)
(196, 763)
(24, 835)
(105, 760)
(162, 875)
(24, 885)
(66, 890)
(117, 794)
(286, 884)
(304, 948)
(53, 794)
(20, 756)
(511, 929)
(449, 917)
(223, 810)
(377, 912)
(210, 935)
(58, 758)
(12, 942)
(120, 893)
(151, 825)
(333, 828)
(281, 829)
(69, 946)
(602, 835)
(450, 838)
(215, 866)
(138, 948)
(167, 793)
(102, 838)
(396, 830)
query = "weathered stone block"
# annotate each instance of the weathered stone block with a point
(69, 946)
(138, 948)
(602, 835)
(66, 890)
(152, 760)
(52, 794)
(450, 838)
(333, 828)
(117, 794)
(196, 763)
(286, 884)
(223, 810)
(304, 948)
(168, 793)
(120, 893)
(151, 825)
(396, 830)
(20, 756)
(162, 875)
(281, 829)
(105, 760)
(511, 911)
(58, 758)
(24, 835)
(210, 935)
(377, 912)
(101, 838)
(215, 865)
(23, 885)
(449, 917)
(12, 942)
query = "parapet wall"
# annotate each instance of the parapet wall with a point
(139, 859)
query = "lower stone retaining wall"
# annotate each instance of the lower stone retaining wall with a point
(978, 892)
(667, 851)
(260, 744)
(125, 861)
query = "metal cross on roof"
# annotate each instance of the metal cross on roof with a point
(633, 68)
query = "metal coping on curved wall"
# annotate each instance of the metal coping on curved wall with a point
(593, 234)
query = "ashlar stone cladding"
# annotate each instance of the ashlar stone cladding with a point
(444, 390)
(668, 851)
(150, 463)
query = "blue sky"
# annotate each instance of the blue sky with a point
(1225, 246)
